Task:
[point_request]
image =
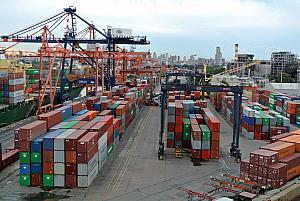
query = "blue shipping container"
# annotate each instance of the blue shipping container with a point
(81, 112)
(66, 112)
(37, 143)
(24, 169)
(192, 116)
(48, 140)
(36, 168)
(249, 120)
(116, 133)
(97, 106)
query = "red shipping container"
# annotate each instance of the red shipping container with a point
(15, 75)
(13, 88)
(76, 107)
(253, 169)
(262, 181)
(100, 128)
(277, 171)
(85, 157)
(120, 110)
(263, 171)
(179, 120)
(171, 127)
(186, 144)
(244, 167)
(263, 157)
(178, 128)
(87, 142)
(36, 180)
(215, 154)
(205, 154)
(244, 176)
(48, 168)
(179, 110)
(178, 136)
(71, 140)
(215, 135)
(278, 137)
(48, 156)
(170, 143)
(196, 153)
(32, 130)
(257, 135)
(213, 124)
(70, 156)
(108, 119)
(70, 168)
(105, 104)
(108, 94)
(200, 119)
(79, 124)
(71, 181)
(24, 146)
(194, 122)
(215, 144)
(88, 125)
(275, 183)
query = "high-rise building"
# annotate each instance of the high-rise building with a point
(218, 57)
(284, 62)
(154, 55)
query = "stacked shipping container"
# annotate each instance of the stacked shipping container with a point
(274, 164)
(77, 143)
(192, 126)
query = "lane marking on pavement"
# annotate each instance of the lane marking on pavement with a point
(133, 149)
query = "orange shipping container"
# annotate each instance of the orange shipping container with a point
(293, 139)
(296, 132)
(293, 172)
(283, 148)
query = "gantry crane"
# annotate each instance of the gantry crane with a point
(73, 40)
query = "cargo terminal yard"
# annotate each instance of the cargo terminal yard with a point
(83, 118)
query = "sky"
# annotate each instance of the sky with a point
(181, 27)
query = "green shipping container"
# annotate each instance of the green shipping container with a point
(32, 72)
(186, 124)
(36, 157)
(297, 117)
(25, 157)
(186, 135)
(48, 180)
(205, 132)
(69, 125)
(25, 180)
(110, 149)
(32, 81)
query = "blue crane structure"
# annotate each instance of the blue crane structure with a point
(72, 39)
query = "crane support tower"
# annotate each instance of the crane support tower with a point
(237, 90)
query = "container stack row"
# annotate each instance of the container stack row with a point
(281, 103)
(12, 87)
(32, 79)
(274, 164)
(67, 147)
(191, 125)
(258, 121)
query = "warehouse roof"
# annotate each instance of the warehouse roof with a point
(275, 86)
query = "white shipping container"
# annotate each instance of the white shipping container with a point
(59, 156)
(18, 99)
(59, 180)
(16, 81)
(85, 181)
(3, 74)
(59, 168)
(121, 33)
(59, 141)
(16, 93)
(85, 169)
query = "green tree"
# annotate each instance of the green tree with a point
(213, 70)
(286, 78)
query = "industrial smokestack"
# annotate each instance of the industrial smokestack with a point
(236, 52)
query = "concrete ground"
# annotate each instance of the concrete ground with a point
(134, 172)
